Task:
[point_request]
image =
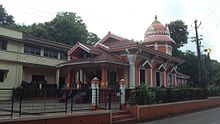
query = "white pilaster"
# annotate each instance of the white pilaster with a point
(77, 76)
(57, 77)
(95, 91)
(164, 79)
(151, 77)
(131, 59)
(122, 88)
(41, 51)
(81, 75)
(58, 56)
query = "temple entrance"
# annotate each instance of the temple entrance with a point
(94, 73)
(112, 82)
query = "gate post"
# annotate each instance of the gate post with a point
(122, 88)
(95, 92)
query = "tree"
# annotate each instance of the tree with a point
(92, 38)
(5, 19)
(215, 71)
(66, 28)
(179, 33)
(189, 67)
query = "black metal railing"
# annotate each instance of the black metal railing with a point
(114, 85)
(163, 95)
(81, 99)
(42, 101)
(7, 102)
(109, 99)
(20, 101)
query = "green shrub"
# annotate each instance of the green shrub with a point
(145, 95)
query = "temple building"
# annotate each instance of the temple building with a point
(114, 58)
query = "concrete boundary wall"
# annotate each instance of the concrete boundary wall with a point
(141, 112)
(93, 117)
(149, 112)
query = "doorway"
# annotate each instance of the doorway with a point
(158, 79)
(112, 81)
(142, 76)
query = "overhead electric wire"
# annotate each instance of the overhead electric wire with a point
(28, 8)
(212, 10)
(30, 13)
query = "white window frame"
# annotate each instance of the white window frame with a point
(142, 68)
(156, 78)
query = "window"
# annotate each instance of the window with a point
(158, 79)
(63, 55)
(3, 44)
(170, 82)
(3, 75)
(50, 53)
(31, 50)
(84, 54)
(142, 76)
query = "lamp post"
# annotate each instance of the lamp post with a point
(208, 51)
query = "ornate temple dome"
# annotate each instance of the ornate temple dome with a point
(157, 33)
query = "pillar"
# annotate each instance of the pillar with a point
(69, 78)
(104, 82)
(57, 77)
(131, 59)
(174, 80)
(77, 80)
(151, 77)
(95, 92)
(164, 79)
(122, 88)
(81, 75)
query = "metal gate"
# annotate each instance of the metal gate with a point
(109, 99)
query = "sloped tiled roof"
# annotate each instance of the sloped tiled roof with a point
(104, 51)
(103, 57)
(181, 75)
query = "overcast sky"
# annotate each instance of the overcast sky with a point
(127, 18)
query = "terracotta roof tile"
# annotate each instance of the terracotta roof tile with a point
(103, 57)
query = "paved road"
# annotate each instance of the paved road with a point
(210, 116)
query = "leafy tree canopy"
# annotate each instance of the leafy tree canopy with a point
(66, 28)
(5, 18)
(179, 33)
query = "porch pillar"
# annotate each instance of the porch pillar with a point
(164, 79)
(151, 77)
(69, 78)
(57, 77)
(104, 81)
(77, 80)
(81, 75)
(122, 88)
(174, 80)
(131, 59)
(95, 92)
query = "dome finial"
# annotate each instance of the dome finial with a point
(155, 17)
